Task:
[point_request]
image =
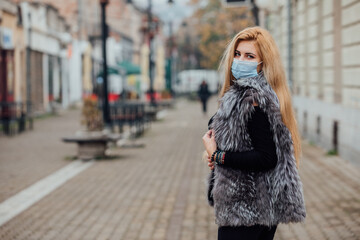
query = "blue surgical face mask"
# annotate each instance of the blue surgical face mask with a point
(244, 69)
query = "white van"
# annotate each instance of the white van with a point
(188, 81)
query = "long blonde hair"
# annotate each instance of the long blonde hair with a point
(274, 72)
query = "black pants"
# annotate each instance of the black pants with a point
(256, 232)
(204, 102)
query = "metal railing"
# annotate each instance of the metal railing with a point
(129, 113)
(13, 118)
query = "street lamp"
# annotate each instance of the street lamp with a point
(106, 111)
(151, 61)
(28, 73)
(255, 12)
(170, 64)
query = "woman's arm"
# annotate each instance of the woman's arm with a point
(263, 157)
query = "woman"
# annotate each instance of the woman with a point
(253, 145)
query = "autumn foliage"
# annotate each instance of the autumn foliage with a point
(206, 33)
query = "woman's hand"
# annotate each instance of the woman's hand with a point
(210, 145)
(211, 163)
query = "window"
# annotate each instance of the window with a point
(19, 16)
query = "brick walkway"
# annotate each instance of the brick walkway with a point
(32, 155)
(158, 192)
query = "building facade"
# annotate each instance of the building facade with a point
(46, 37)
(320, 44)
(13, 94)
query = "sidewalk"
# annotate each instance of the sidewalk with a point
(158, 192)
(34, 154)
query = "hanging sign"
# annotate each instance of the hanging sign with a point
(6, 38)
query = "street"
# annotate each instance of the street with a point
(156, 192)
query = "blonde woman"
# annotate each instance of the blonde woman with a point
(253, 144)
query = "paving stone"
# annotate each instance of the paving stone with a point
(40, 150)
(158, 192)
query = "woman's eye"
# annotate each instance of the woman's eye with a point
(237, 54)
(250, 56)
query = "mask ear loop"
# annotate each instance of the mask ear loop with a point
(261, 67)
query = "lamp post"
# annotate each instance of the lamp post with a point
(255, 12)
(104, 35)
(151, 60)
(28, 73)
(169, 68)
(171, 46)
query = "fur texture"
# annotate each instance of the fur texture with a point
(244, 198)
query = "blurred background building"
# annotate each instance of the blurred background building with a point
(51, 54)
(320, 44)
(12, 54)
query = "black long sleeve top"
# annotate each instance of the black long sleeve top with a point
(263, 157)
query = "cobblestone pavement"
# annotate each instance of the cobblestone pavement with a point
(158, 192)
(32, 155)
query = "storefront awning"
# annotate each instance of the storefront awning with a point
(110, 70)
(130, 68)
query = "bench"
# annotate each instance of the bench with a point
(92, 145)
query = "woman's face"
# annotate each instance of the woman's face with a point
(246, 51)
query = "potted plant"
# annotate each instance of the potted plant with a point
(91, 116)
(92, 141)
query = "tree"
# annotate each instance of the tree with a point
(210, 29)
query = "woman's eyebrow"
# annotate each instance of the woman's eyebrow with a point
(237, 51)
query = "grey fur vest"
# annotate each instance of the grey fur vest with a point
(245, 198)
